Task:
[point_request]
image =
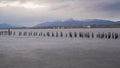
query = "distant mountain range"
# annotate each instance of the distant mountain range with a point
(3, 25)
(93, 22)
(77, 23)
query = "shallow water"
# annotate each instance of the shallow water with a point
(47, 52)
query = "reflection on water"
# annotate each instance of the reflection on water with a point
(58, 50)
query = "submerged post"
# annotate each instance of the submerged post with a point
(9, 31)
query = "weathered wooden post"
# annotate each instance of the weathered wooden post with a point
(116, 35)
(80, 35)
(75, 34)
(30, 33)
(44, 34)
(87, 35)
(66, 35)
(48, 34)
(39, 34)
(9, 32)
(109, 35)
(52, 34)
(25, 33)
(36, 33)
(0, 33)
(99, 36)
(20, 33)
(92, 35)
(61, 34)
(102, 35)
(106, 36)
(70, 34)
(14, 33)
(33, 33)
(56, 34)
(113, 35)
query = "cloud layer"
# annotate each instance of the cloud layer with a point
(30, 12)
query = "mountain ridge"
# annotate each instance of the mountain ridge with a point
(66, 23)
(77, 23)
(4, 25)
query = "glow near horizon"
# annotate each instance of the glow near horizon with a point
(27, 5)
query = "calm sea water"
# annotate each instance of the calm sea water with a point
(48, 52)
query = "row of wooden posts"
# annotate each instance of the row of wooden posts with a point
(100, 35)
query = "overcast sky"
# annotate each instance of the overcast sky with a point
(31, 12)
